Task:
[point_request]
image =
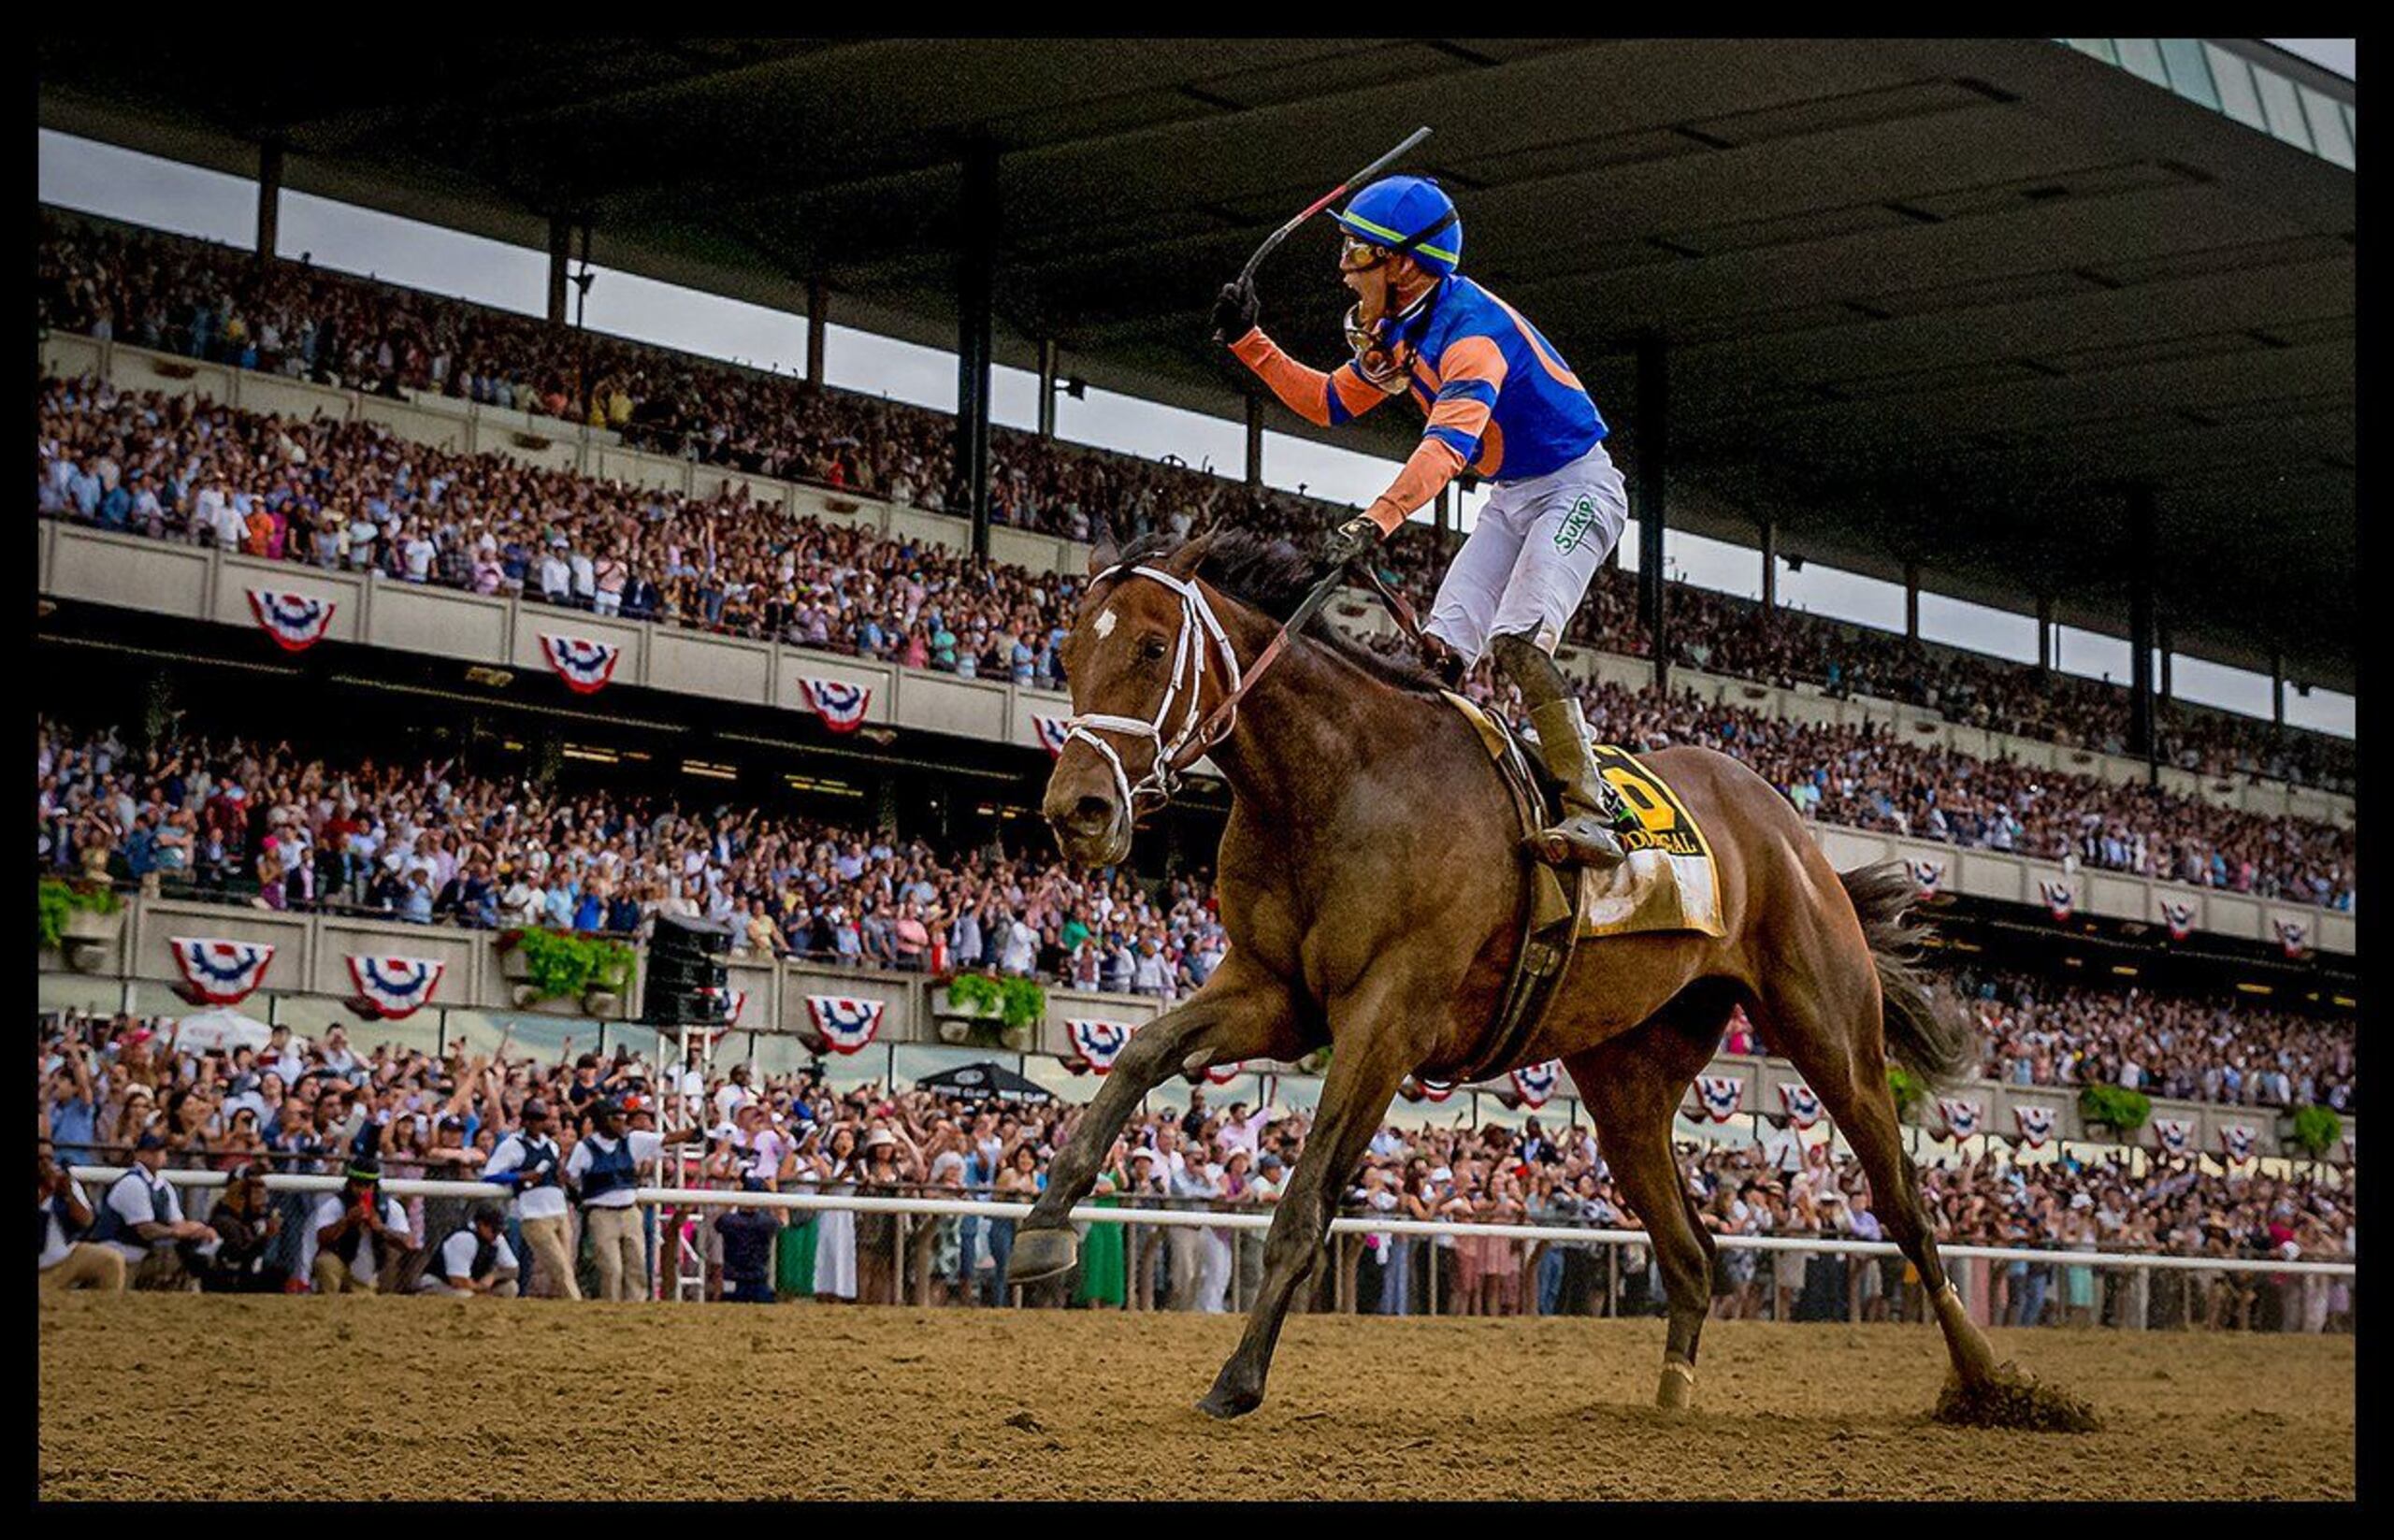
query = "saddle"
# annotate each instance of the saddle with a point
(1667, 881)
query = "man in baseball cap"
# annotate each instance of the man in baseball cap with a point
(358, 1236)
(528, 1160)
(475, 1259)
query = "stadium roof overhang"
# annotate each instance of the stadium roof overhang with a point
(1926, 302)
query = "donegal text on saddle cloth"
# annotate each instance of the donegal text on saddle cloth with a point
(1669, 880)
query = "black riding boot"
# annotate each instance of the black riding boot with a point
(1591, 807)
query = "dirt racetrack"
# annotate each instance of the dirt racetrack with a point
(190, 1396)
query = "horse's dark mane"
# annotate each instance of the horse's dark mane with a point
(1269, 575)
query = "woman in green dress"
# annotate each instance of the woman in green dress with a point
(1105, 1277)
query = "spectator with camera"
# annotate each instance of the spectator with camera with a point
(358, 1238)
(65, 1260)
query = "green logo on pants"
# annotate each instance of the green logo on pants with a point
(1574, 526)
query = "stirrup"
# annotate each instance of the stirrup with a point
(1579, 839)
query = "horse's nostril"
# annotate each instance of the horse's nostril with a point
(1091, 812)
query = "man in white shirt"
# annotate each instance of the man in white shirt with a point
(604, 1169)
(357, 1237)
(144, 1221)
(475, 1259)
(66, 1262)
(732, 1095)
(528, 1160)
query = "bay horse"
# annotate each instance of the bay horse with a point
(1369, 878)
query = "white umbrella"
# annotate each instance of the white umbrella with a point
(221, 1028)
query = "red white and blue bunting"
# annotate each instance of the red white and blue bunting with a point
(1928, 877)
(2294, 936)
(394, 988)
(2240, 1141)
(2178, 916)
(841, 705)
(1961, 1115)
(296, 621)
(1051, 732)
(1434, 1091)
(845, 1024)
(1222, 1074)
(1803, 1107)
(2035, 1125)
(1099, 1042)
(586, 665)
(2058, 898)
(739, 1003)
(220, 972)
(1720, 1095)
(1536, 1082)
(2173, 1135)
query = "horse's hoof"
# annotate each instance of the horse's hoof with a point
(1677, 1392)
(1222, 1404)
(1041, 1254)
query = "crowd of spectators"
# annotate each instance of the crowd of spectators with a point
(437, 844)
(111, 1085)
(212, 302)
(357, 496)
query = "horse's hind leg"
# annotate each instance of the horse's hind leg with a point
(1827, 1020)
(1633, 1085)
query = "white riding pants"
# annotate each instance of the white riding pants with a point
(1527, 563)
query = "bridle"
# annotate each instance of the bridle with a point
(1198, 734)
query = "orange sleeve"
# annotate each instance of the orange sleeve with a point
(1434, 464)
(1326, 401)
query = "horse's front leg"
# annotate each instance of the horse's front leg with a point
(1370, 1060)
(1241, 1013)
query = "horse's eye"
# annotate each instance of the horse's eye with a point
(1152, 649)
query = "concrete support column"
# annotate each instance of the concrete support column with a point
(560, 254)
(2277, 686)
(2166, 646)
(269, 198)
(1769, 571)
(1911, 601)
(2141, 629)
(1647, 498)
(818, 325)
(1254, 439)
(2044, 632)
(976, 291)
(1047, 356)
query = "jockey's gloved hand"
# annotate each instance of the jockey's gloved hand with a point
(1235, 312)
(1352, 539)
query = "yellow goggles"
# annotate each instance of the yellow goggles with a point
(1355, 256)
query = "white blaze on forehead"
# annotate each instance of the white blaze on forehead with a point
(1104, 626)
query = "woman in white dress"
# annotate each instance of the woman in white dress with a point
(835, 1232)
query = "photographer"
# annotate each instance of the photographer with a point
(64, 1261)
(475, 1259)
(357, 1236)
(246, 1228)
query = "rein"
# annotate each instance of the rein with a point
(1198, 735)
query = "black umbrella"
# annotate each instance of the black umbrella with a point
(984, 1079)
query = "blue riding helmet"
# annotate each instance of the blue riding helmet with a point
(1408, 214)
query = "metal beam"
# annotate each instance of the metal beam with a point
(818, 325)
(1911, 601)
(1048, 351)
(1653, 477)
(269, 198)
(2141, 554)
(2277, 685)
(560, 251)
(975, 300)
(1769, 571)
(2044, 633)
(1255, 440)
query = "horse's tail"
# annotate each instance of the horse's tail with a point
(1928, 1034)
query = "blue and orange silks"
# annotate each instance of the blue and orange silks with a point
(1499, 399)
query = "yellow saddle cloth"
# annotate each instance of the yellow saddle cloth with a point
(1669, 880)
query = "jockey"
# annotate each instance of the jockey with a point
(1502, 404)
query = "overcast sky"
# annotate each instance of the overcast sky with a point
(122, 184)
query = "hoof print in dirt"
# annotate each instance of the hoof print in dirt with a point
(1025, 1421)
(2015, 1400)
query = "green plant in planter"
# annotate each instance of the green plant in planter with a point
(55, 902)
(1015, 1002)
(558, 965)
(2316, 1130)
(2121, 1110)
(1909, 1089)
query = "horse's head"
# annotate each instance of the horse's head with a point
(1147, 661)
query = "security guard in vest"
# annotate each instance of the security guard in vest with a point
(475, 1259)
(528, 1160)
(603, 1172)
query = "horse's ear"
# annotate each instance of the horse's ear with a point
(1184, 561)
(1102, 552)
